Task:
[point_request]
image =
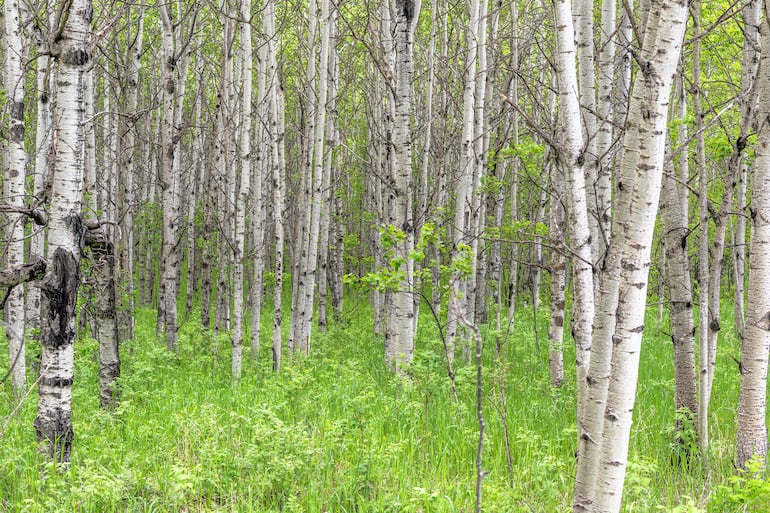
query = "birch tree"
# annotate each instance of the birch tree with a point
(752, 428)
(245, 55)
(53, 424)
(17, 160)
(399, 335)
(169, 178)
(571, 158)
(622, 293)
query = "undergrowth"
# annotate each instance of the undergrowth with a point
(336, 432)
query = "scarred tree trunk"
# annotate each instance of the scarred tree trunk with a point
(105, 315)
(53, 424)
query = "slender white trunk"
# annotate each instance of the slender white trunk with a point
(584, 38)
(277, 130)
(749, 66)
(16, 171)
(558, 271)
(752, 428)
(42, 144)
(675, 223)
(571, 158)
(169, 178)
(242, 198)
(608, 40)
(465, 178)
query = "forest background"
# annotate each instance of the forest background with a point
(432, 193)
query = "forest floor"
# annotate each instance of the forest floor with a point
(336, 432)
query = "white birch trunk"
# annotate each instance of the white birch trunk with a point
(242, 198)
(42, 144)
(558, 270)
(16, 171)
(277, 130)
(571, 158)
(752, 428)
(169, 176)
(608, 42)
(399, 337)
(748, 106)
(639, 185)
(464, 180)
(53, 424)
(584, 39)
(675, 223)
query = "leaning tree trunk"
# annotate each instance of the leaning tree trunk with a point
(623, 287)
(17, 159)
(752, 430)
(53, 424)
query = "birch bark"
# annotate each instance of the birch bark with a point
(17, 160)
(639, 186)
(242, 198)
(399, 336)
(752, 429)
(53, 424)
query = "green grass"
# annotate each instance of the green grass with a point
(336, 432)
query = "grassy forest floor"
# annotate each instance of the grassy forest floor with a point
(336, 432)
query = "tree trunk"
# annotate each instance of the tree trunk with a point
(675, 231)
(105, 316)
(623, 287)
(169, 176)
(752, 429)
(399, 334)
(570, 157)
(17, 160)
(53, 424)
(558, 269)
(244, 190)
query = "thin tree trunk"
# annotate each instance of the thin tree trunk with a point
(558, 270)
(16, 172)
(242, 198)
(675, 232)
(752, 428)
(169, 175)
(571, 157)
(105, 316)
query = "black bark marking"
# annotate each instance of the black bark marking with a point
(60, 287)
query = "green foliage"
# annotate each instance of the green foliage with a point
(337, 432)
(748, 490)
